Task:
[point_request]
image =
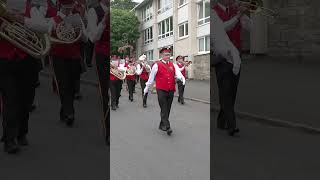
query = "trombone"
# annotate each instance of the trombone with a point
(256, 7)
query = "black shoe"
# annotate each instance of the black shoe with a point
(182, 100)
(70, 121)
(169, 131)
(231, 132)
(144, 105)
(178, 99)
(32, 108)
(89, 65)
(78, 96)
(113, 108)
(37, 84)
(11, 147)
(23, 141)
(162, 128)
(117, 106)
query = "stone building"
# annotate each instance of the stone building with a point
(293, 35)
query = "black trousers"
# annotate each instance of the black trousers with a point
(165, 99)
(227, 85)
(67, 73)
(89, 52)
(103, 69)
(114, 88)
(180, 89)
(143, 85)
(17, 89)
(131, 84)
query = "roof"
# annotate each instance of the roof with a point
(144, 2)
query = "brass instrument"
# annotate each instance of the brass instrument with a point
(67, 34)
(256, 7)
(34, 44)
(114, 71)
(146, 67)
(131, 70)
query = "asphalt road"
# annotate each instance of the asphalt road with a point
(139, 151)
(56, 151)
(263, 152)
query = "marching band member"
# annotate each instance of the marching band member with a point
(99, 33)
(114, 86)
(17, 75)
(143, 76)
(164, 73)
(66, 64)
(228, 21)
(182, 68)
(130, 78)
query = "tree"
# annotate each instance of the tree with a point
(123, 4)
(124, 29)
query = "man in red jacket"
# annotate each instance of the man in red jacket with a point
(164, 73)
(228, 70)
(18, 74)
(179, 60)
(130, 78)
(99, 34)
(66, 64)
(142, 71)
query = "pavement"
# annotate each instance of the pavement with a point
(264, 152)
(279, 91)
(56, 151)
(139, 151)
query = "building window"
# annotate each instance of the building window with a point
(165, 28)
(203, 12)
(148, 35)
(183, 30)
(164, 5)
(149, 55)
(147, 13)
(182, 2)
(204, 44)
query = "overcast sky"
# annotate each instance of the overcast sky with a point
(138, 1)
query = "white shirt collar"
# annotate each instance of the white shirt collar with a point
(222, 6)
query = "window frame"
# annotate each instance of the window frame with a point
(206, 44)
(148, 35)
(165, 25)
(185, 34)
(204, 20)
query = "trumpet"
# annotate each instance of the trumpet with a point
(147, 68)
(114, 71)
(256, 7)
(34, 44)
(186, 63)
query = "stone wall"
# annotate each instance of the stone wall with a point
(201, 67)
(296, 33)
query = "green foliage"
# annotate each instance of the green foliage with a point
(124, 29)
(123, 4)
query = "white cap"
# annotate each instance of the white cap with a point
(142, 57)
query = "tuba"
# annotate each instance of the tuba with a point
(114, 71)
(34, 44)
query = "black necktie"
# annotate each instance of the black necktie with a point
(227, 10)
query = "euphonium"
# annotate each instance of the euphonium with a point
(131, 71)
(146, 67)
(36, 45)
(114, 71)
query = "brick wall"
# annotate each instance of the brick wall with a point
(296, 33)
(201, 67)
